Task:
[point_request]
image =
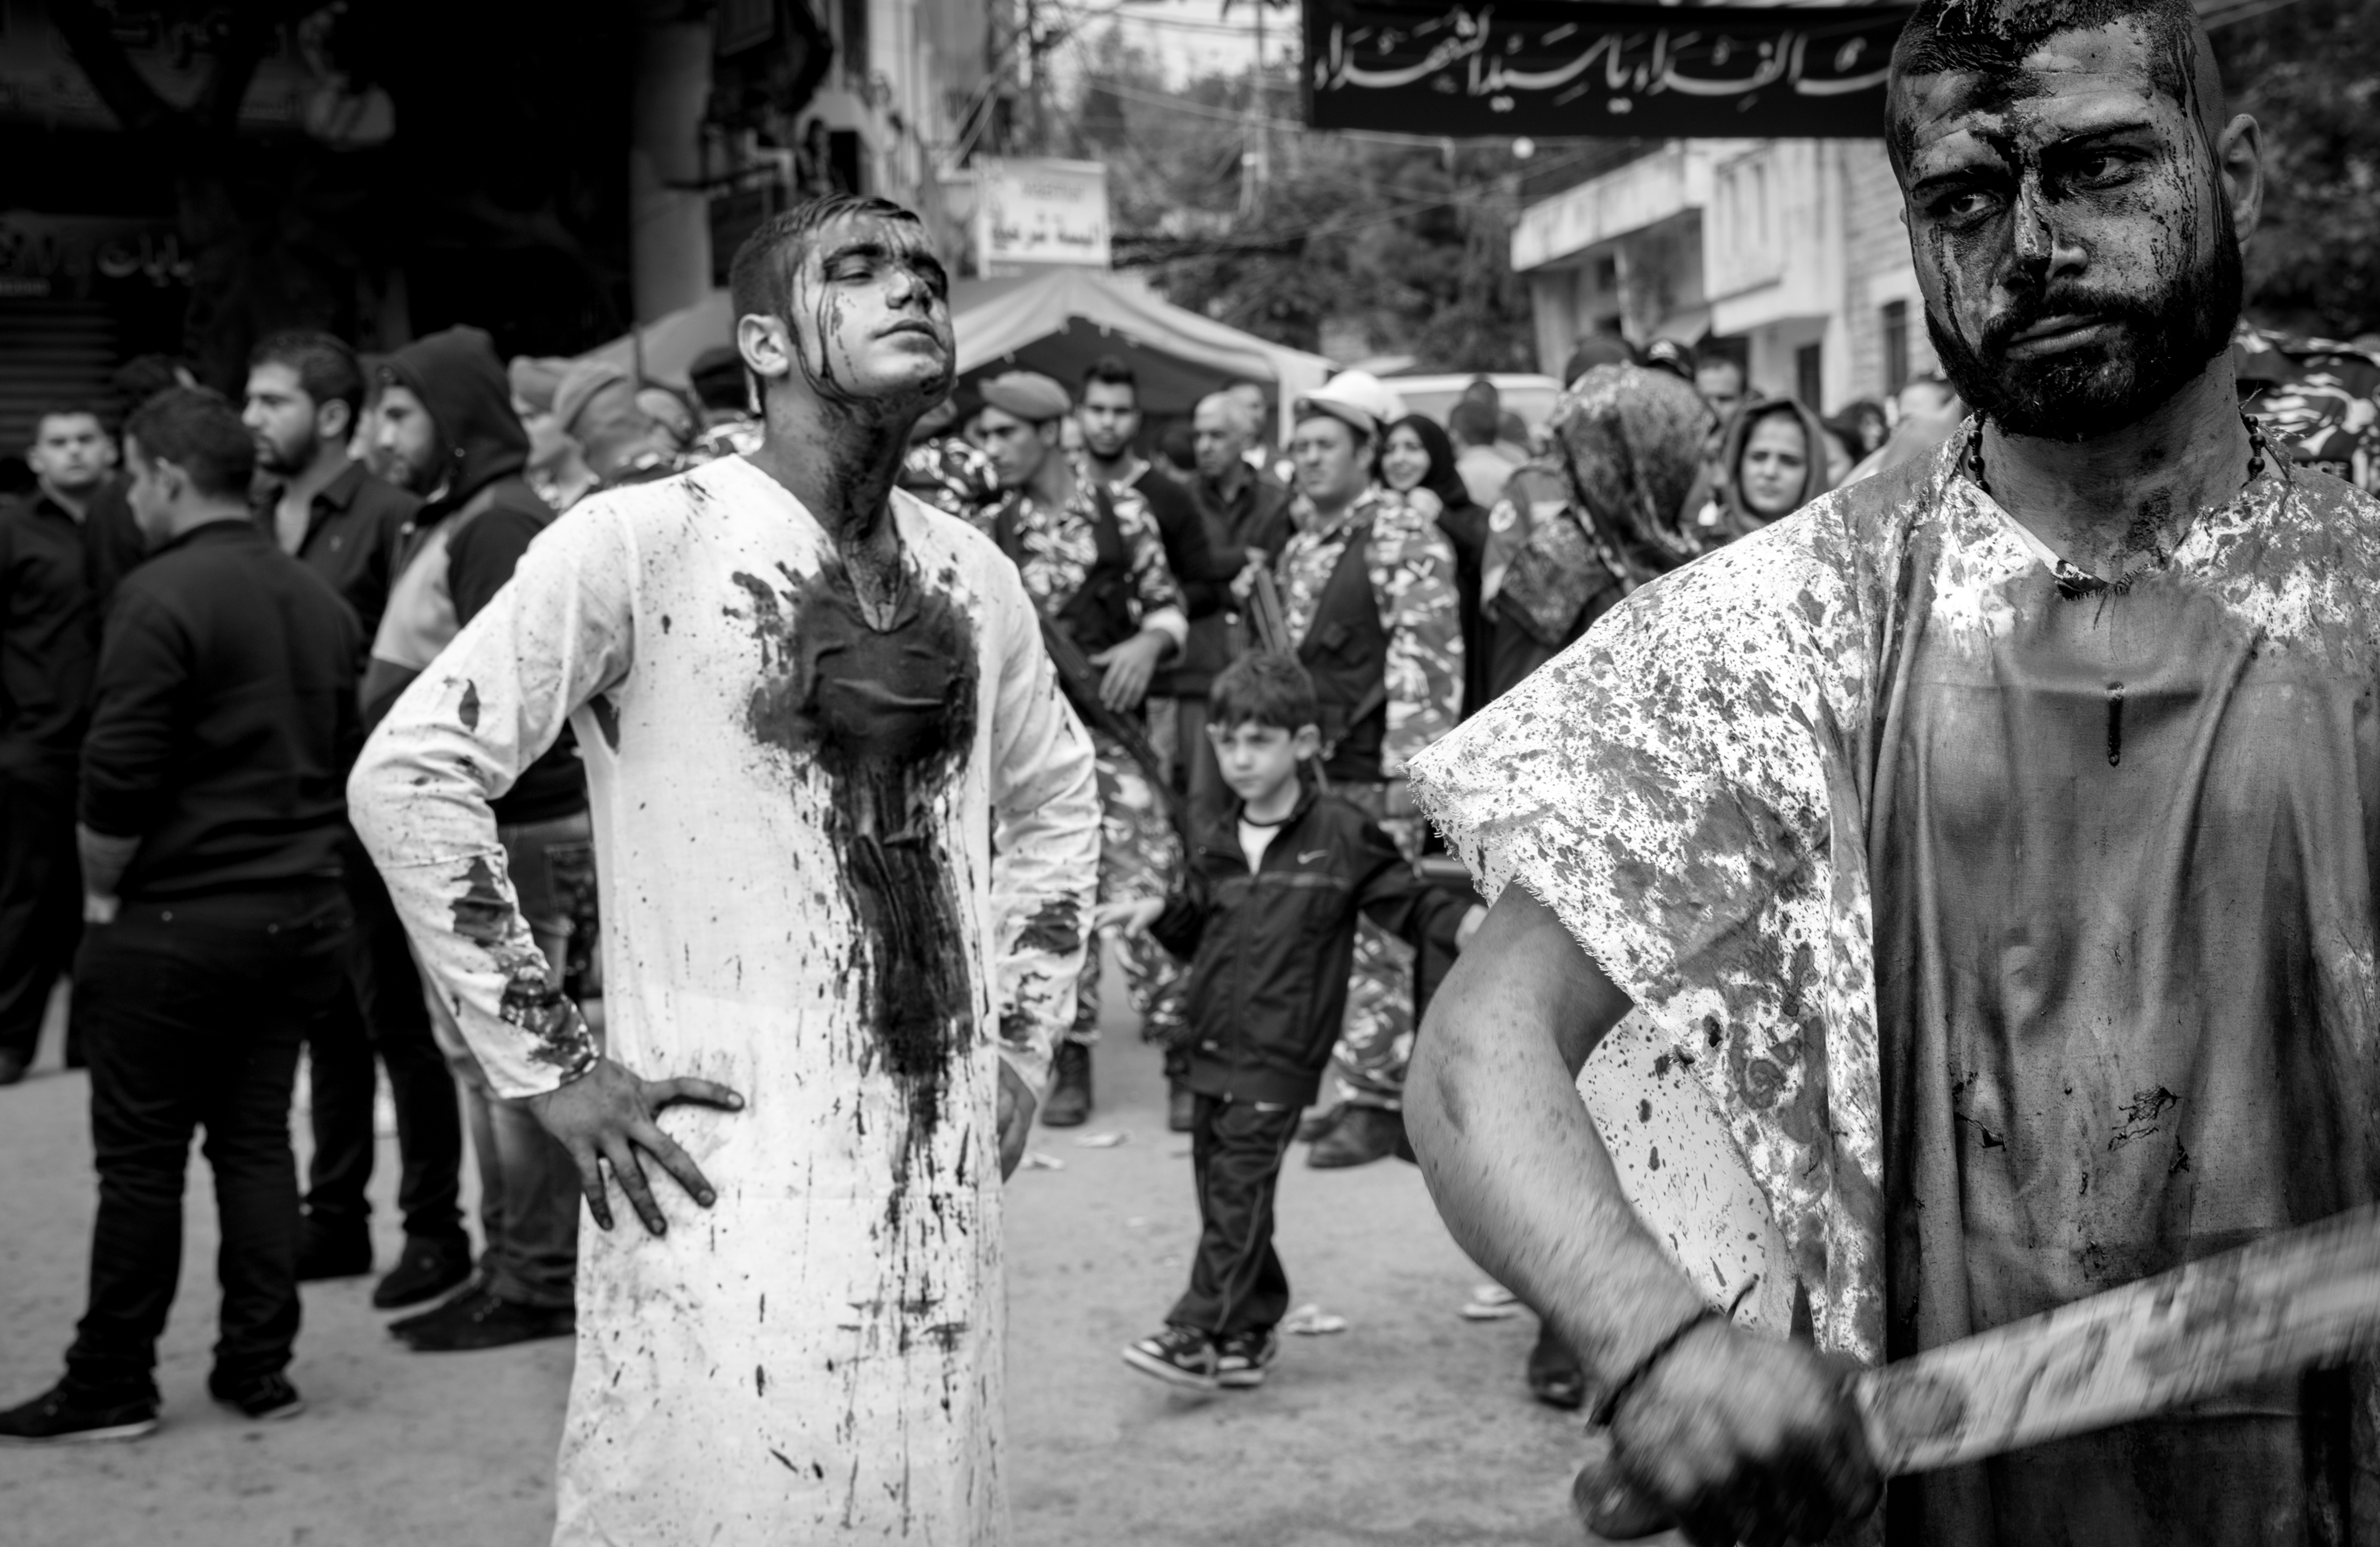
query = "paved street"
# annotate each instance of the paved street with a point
(1410, 1428)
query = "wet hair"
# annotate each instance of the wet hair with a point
(761, 281)
(1263, 689)
(1472, 422)
(1993, 38)
(1112, 372)
(198, 430)
(326, 369)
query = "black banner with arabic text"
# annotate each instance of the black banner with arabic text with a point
(1549, 68)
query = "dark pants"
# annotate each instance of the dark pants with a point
(1236, 1282)
(193, 1012)
(41, 903)
(529, 1204)
(529, 1185)
(384, 1014)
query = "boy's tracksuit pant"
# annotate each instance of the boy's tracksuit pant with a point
(1236, 1282)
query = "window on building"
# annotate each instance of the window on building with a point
(1896, 346)
(1809, 374)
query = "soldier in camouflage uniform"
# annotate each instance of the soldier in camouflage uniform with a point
(1093, 563)
(1366, 585)
(946, 472)
(2317, 400)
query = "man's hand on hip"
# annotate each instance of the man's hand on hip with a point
(1737, 1437)
(1017, 1108)
(607, 1114)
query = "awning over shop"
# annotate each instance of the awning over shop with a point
(1057, 321)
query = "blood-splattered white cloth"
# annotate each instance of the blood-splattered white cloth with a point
(796, 822)
(1735, 792)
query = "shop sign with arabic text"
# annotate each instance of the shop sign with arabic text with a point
(1553, 68)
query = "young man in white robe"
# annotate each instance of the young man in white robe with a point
(848, 837)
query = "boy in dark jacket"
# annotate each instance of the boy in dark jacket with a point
(1266, 919)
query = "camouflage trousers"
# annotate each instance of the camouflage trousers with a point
(1375, 1039)
(1140, 856)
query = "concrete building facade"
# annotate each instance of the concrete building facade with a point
(1789, 253)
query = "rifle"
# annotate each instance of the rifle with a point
(1265, 616)
(1080, 682)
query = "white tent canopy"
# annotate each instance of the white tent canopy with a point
(1056, 322)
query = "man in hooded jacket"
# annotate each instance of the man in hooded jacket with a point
(447, 426)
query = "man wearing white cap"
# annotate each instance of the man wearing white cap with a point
(847, 832)
(1367, 590)
(1094, 561)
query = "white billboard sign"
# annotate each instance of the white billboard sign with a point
(1040, 211)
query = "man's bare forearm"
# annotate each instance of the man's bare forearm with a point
(1512, 1159)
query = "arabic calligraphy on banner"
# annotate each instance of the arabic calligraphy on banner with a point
(1555, 67)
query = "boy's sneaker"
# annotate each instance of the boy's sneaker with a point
(1182, 1356)
(264, 1397)
(1242, 1358)
(63, 1414)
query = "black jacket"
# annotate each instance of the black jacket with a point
(1269, 952)
(356, 529)
(223, 720)
(49, 643)
(494, 515)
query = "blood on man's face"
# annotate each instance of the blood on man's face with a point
(870, 311)
(2071, 229)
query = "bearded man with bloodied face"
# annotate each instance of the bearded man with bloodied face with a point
(1988, 847)
(847, 835)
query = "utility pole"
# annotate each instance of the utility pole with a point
(1256, 153)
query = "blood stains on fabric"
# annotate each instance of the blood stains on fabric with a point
(1056, 927)
(888, 715)
(468, 710)
(482, 909)
(531, 1000)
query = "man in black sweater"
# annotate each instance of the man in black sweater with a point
(50, 606)
(212, 810)
(305, 391)
(446, 422)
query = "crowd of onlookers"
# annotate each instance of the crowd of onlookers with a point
(183, 851)
(179, 706)
(160, 832)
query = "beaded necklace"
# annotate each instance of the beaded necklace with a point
(2072, 580)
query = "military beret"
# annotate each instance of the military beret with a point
(1030, 396)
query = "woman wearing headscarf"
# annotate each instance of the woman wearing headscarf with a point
(1773, 462)
(1626, 442)
(1418, 457)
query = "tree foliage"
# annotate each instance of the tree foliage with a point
(1405, 246)
(2310, 73)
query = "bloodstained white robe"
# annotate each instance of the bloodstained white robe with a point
(795, 826)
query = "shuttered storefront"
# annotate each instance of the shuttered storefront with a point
(52, 352)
